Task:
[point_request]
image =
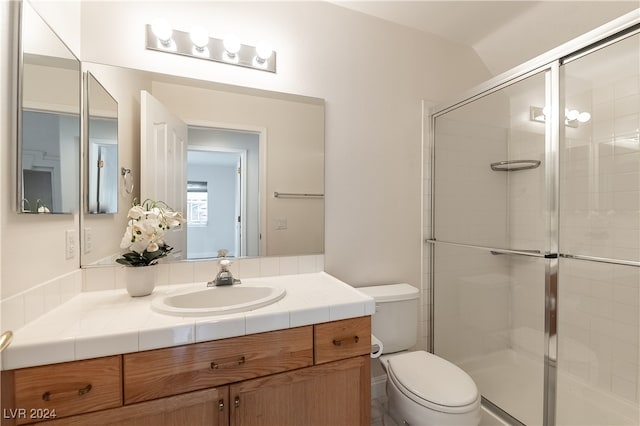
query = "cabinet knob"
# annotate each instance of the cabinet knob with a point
(221, 405)
(236, 402)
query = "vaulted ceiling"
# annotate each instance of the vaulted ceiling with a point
(503, 33)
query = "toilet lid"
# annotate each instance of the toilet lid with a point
(433, 379)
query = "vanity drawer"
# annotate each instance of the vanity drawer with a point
(342, 339)
(61, 390)
(164, 372)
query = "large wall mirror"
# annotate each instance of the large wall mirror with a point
(48, 154)
(254, 178)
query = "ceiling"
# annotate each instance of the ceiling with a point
(503, 33)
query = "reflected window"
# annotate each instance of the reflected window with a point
(197, 203)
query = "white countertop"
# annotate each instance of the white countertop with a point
(102, 323)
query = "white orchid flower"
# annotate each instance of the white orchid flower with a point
(136, 212)
(126, 239)
(147, 226)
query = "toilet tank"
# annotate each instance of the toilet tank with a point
(395, 322)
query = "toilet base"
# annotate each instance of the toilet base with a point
(404, 411)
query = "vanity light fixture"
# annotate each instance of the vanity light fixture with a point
(572, 118)
(163, 32)
(198, 44)
(232, 45)
(200, 39)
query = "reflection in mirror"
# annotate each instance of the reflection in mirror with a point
(102, 150)
(223, 172)
(278, 136)
(49, 120)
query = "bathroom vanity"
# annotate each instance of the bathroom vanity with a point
(317, 373)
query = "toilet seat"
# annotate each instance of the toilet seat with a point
(433, 382)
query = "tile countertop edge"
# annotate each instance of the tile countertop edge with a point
(47, 349)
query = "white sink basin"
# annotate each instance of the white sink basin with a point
(217, 300)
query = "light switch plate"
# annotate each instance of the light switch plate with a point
(70, 244)
(88, 240)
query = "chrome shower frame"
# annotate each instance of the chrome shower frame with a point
(550, 62)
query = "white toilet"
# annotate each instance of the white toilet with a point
(422, 388)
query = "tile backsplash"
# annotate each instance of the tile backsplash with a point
(17, 311)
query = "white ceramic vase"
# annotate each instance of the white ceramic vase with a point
(140, 280)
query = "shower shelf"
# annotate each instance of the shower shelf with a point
(514, 165)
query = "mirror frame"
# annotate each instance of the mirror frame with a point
(85, 167)
(19, 108)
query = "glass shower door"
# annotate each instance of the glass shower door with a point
(492, 224)
(599, 273)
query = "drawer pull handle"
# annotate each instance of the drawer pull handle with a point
(221, 405)
(337, 342)
(82, 391)
(216, 365)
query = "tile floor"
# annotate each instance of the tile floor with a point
(379, 416)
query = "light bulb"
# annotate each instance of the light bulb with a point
(231, 44)
(583, 117)
(161, 29)
(199, 37)
(264, 51)
(572, 114)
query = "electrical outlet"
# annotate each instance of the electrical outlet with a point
(88, 240)
(70, 245)
(281, 223)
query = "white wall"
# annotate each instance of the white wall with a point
(373, 75)
(32, 245)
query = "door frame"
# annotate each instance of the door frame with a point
(242, 155)
(262, 178)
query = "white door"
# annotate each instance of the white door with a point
(163, 162)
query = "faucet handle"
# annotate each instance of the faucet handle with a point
(224, 264)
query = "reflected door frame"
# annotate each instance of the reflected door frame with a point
(262, 189)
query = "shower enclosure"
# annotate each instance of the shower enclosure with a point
(535, 246)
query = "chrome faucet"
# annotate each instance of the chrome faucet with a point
(224, 276)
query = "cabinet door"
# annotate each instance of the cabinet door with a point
(337, 393)
(203, 408)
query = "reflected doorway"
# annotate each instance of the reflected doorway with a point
(222, 193)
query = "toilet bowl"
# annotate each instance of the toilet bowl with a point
(422, 388)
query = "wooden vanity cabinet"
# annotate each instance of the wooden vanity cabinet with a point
(207, 407)
(337, 393)
(275, 378)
